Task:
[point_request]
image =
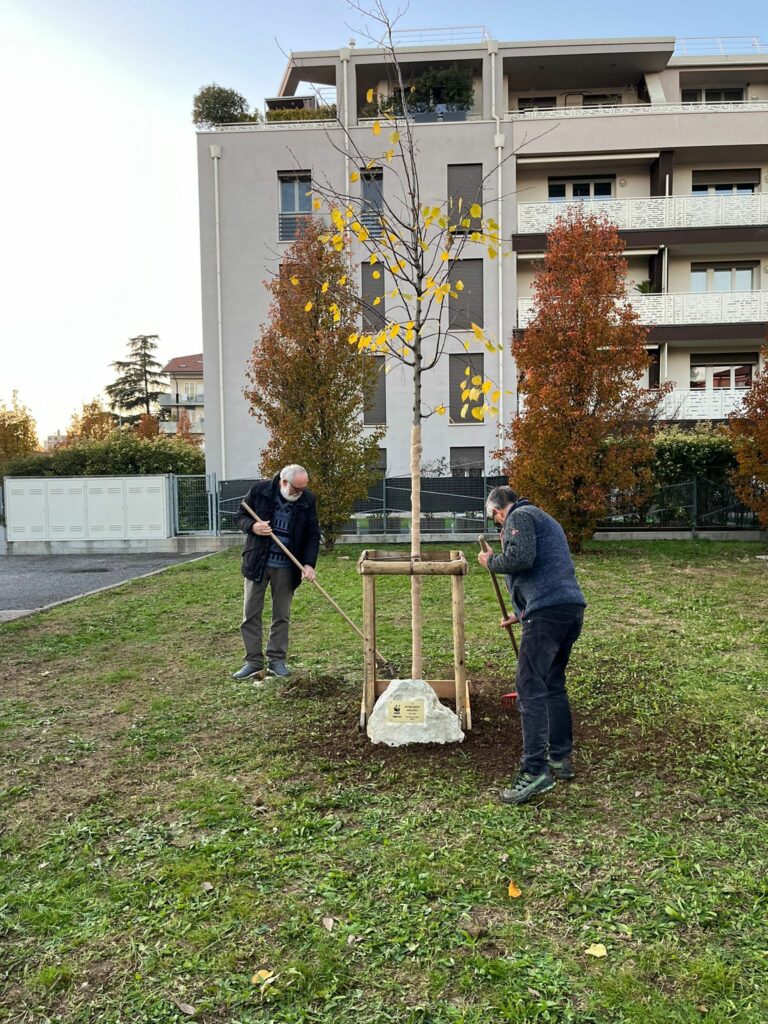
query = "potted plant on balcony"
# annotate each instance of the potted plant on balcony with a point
(443, 91)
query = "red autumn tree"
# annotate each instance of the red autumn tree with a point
(148, 426)
(310, 387)
(584, 431)
(92, 423)
(748, 428)
(184, 429)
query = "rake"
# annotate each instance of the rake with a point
(507, 699)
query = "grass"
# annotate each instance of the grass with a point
(169, 833)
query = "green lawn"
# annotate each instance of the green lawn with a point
(167, 833)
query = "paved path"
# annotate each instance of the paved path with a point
(29, 582)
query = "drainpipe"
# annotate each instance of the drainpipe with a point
(498, 142)
(216, 156)
(345, 54)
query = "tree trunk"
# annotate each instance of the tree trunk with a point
(417, 620)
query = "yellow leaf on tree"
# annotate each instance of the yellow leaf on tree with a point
(475, 210)
(487, 387)
(308, 307)
(377, 300)
(478, 332)
(376, 275)
(316, 204)
(459, 286)
(492, 252)
(464, 410)
(597, 949)
(445, 256)
(394, 137)
(342, 280)
(388, 155)
(294, 279)
(467, 371)
(376, 128)
(513, 890)
(477, 380)
(369, 96)
(354, 176)
(440, 410)
(353, 338)
(478, 412)
(324, 287)
(495, 396)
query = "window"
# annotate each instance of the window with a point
(601, 100)
(457, 379)
(467, 307)
(717, 370)
(468, 461)
(723, 277)
(536, 102)
(654, 369)
(580, 189)
(376, 414)
(372, 185)
(295, 202)
(712, 95)
(372, 292)
(740, 182)
(465, 187)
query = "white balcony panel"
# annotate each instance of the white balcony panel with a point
(685, 308)
(713, 404)
(653, 212)
(622, 109)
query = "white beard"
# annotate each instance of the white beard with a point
(284, 490)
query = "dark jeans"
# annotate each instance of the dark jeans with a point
(547, 638)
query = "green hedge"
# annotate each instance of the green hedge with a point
(319, 114)
(705, 451)
(122, 454)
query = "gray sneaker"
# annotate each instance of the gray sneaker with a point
(524, 786)
(279, 668)
(562, 769)
(248, 671)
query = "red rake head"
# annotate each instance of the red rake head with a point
(508, 699)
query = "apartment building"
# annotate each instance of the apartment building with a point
(669, 138)
(185, 378)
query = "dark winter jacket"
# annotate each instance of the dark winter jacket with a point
(305, 530)
(536, 561)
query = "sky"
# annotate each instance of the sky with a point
(98, 177)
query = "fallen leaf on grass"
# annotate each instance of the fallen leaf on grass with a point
(597, 949)
(261, 976)
(328, 923)
(206, 886)
(352, 940)
(186, 1008)
(513, 891)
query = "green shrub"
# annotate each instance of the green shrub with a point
(682, 454)
(122, 454)
(319, 114)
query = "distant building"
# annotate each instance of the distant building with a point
(185, 375)
(54, 441)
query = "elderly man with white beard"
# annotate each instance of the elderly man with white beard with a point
(288, 511)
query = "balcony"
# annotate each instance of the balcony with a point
(713, 404)
(172, 426)
(622, 109)
(691, 211)
(170, 399)
(685, 308)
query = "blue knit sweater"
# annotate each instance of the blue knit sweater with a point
(536, 561)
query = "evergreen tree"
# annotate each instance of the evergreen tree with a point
(139, 383)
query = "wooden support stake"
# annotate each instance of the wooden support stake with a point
(463, 709)
(369, 645)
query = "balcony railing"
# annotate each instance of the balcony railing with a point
(712, 404)
(653, 212)
(620, 109)
(178, 398)
(685, 308)
(711, 46)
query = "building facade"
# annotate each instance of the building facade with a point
(185, 377)
(673, 146)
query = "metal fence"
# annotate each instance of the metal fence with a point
(456, 505)
(697, 504)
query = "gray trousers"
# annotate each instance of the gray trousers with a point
(280, 583)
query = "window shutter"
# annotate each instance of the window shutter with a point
(457, 379)
(465, 183)
(467, 307)
(372, 288)
(719, 177)
(376, 415)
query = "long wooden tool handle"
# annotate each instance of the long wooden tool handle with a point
(324, 592)
(485, 546)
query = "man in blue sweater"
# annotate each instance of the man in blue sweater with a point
(548, 601)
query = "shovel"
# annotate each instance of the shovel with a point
(388, 667)
(507, 699)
